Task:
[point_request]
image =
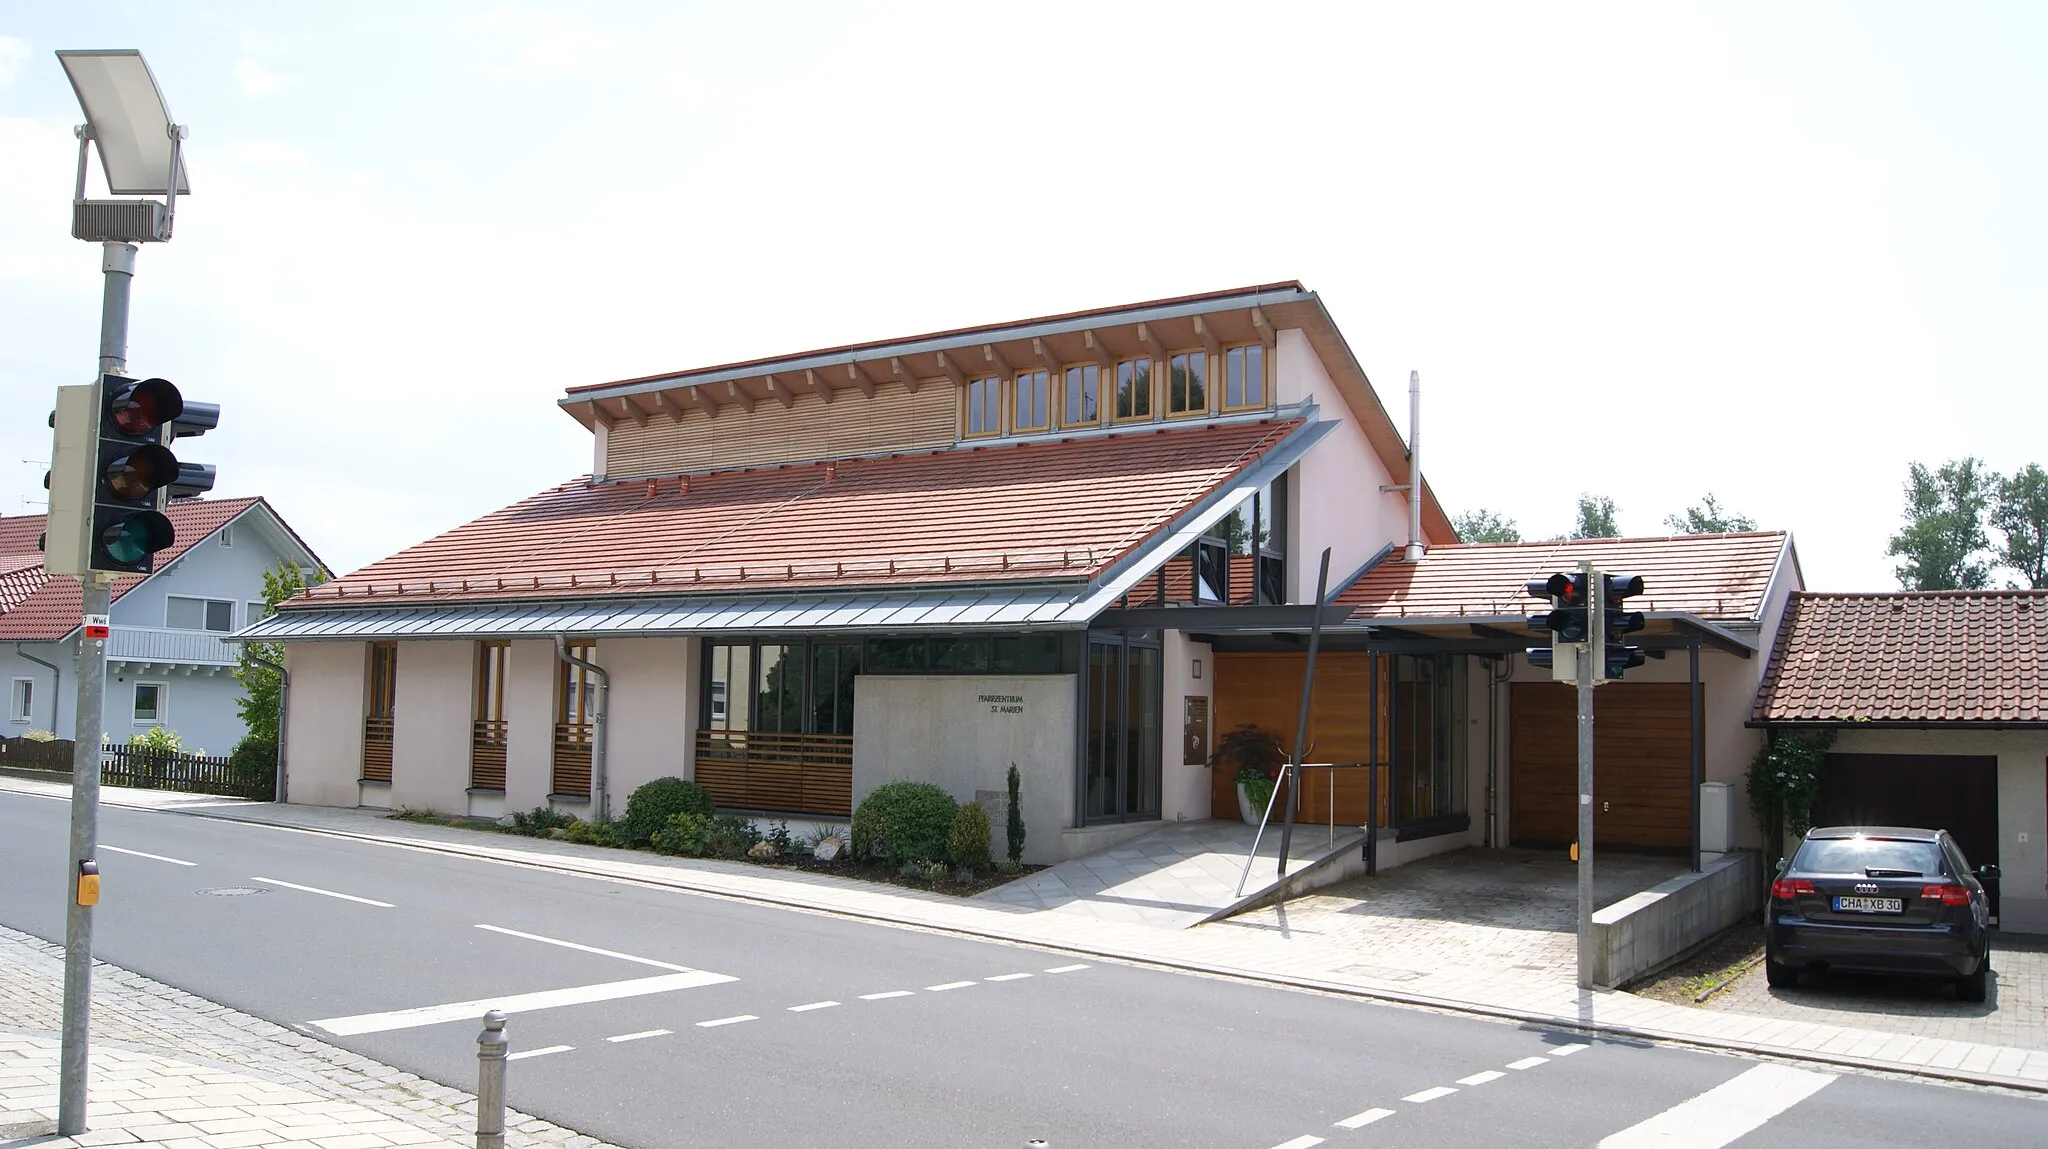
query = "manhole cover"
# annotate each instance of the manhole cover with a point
(234, 891)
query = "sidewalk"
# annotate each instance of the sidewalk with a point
(1535, 992)
(175, 1071)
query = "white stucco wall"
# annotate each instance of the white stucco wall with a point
(1183, 789)
(430, 727)
(1336, 500)
(653, 711)
(941, 729)
(530, 725)
(324, 737)
(2022, 806)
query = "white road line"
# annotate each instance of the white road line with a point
(1568, 1050)
(1006, 977)
(1301, 1142)
(1482, 1078)
(734, 1020)
(151, 857)
(1430, 1094)
(516, 1003)
(585, 948)
(1528, 1063)
(324, 893)
(1361, 1120)
(812, 1006)
(641, 1034)
(1066, 968)
(543, 1051)
(884, 996)
(948, 985)
(1729, 1110)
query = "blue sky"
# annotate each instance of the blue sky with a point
(1792, 248)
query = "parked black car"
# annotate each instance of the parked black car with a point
(1880, 899)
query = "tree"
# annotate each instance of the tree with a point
(1708, 519)
(2021, 516)
(1596, 518)
(1943, 543)
(1484, 526)
(262, 687)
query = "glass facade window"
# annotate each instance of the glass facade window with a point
(1187, 384)
(833, 668)
(576, 688)
(1025, 654)
(983, 412)
(1133, 389)
(1427, 713)
(779, 695)
(898, 656)
(1120, 753)
(968, 654)
(1032, 394)
(491, 661)
(1244, 377)
(1083, 395)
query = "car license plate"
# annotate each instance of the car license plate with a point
(1870, 905)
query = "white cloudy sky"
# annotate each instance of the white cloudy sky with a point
(1792, 247)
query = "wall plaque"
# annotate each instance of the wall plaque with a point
(1195, 741)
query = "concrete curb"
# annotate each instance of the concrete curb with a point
(1120, 953)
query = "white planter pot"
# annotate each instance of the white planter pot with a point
(1250, 811)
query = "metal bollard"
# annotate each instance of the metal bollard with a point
(490, 1082)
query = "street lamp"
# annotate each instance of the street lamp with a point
(142, 154)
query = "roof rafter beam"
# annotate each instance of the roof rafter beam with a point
(631, 410)
(779, 391)
(951, 369)
(1150, 340)
(996, 362)
(1103, 357)
(818, 384)
(744, 401)
(904, 375)
(1263, 326)
(1207, 335)
(667, 405)
(1045, 356)
(862, 381)
(598, 415)
(704, 400)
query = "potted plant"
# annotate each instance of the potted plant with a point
(1254, 757)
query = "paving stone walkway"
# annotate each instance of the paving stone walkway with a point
(170, 1070)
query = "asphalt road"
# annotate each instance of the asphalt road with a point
(655, 1018)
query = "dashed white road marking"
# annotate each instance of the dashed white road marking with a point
(733, 1020)
(1430, 1094)
(1361, 1120)
(516, 1003)
(812, 1006)
(885, 996)
(641, 1034)
(1729, 1110)
(1568, 1050)
(947, 986)
(1066, 968)
(1482, 1078)
(543, 1051)
(324, 893)
(1007, 977)
(582, 947)
(151, 857)
(1528, 1063)
(1301, 1142)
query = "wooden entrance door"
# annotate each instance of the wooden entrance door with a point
(1642, 765)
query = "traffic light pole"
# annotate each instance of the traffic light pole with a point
(118, 263)
(1594, 649)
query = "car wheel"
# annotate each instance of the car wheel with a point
(1780, 976)
(1971, 988)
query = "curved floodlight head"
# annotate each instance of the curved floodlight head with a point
(126, 119)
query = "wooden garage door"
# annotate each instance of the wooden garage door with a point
(1950, 792)
(1642, 764)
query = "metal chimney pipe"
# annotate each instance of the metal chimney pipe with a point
(1415, 467)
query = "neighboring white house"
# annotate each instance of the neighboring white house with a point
(166, 663)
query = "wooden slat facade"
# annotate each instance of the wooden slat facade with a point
(1642, 765)
(779, 773)
(810, 428)
(487, 754)
(376, 750)
(570, 776)
(1264, 689)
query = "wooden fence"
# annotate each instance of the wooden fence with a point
(149, 769)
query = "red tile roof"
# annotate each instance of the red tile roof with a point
(1913, 657)
(1042, 511)
(1722, 578)
(52, 609)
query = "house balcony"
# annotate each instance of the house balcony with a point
(186, 651)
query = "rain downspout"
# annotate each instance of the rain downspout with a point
(1415, 467)
(284, 710)
(600, 796)
(56, 688)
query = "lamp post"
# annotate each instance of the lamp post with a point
(141, 153)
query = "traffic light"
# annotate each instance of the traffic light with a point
(1568, 622)
(1616, 657)
(133, 471)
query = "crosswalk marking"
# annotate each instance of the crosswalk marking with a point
(941, 988)
(811, 1006)
(642, 1034)
(1482, 1078)
(1301, 1142)
(734, 1020)
(1361, 1120)
(885, 996)
(1568, 1050)
(1528, 1063)
(1007, 977)
(1430, 1094)
(1727, 1111)
(543, 1051)
(1066, 968)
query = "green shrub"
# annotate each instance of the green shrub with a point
(1013, 820)
(650, 807)
(684, 834)
(593, 833)
(537, 822)
(253, 767)
(967, 841)
(730, 836)
(1009, 866)
(904, 822)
